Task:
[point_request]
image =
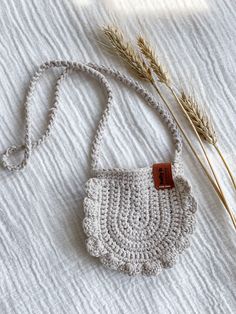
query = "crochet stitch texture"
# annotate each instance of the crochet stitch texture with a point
(132, 226)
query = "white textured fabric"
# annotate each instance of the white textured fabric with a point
(44, 266)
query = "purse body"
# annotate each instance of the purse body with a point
(132, 225)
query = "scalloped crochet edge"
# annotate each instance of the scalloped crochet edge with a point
(96, 248)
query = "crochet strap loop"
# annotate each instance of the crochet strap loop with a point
(96, 72)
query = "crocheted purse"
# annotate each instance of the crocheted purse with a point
(136, 221)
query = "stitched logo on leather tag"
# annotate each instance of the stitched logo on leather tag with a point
(162, 176)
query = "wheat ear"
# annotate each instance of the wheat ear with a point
(127, 53)
(149, 54)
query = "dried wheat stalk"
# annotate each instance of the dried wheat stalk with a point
(133, 59)
(196, 116)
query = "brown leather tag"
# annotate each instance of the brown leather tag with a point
(162, 176)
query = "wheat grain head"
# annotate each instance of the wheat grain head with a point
(199, 118)
(127, 53)
(150, 55)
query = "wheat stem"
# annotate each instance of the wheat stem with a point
(226, 165)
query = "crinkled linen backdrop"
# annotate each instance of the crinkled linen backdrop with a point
(44, 266)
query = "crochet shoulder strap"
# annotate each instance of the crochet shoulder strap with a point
(96, 72)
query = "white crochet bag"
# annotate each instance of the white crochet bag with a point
(136, 221)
